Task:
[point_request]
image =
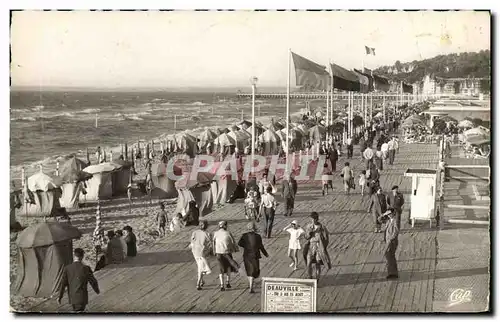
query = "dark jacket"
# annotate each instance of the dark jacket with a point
(289, 188)
(131, 241)
(378, 204)
(76, 276)
(251, 243)
(395, 201)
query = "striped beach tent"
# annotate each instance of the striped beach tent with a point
(271, 142)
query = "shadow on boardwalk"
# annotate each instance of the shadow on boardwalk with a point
(163, 276)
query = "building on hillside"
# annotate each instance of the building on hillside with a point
(455, 86)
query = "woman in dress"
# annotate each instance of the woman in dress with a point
(251, 242)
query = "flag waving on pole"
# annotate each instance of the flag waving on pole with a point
(370, 51)
(309, 74)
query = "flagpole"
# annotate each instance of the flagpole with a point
(327, 112)
(383, 106)
(287, 109)
(371, 106)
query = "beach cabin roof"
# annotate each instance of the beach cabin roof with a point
(43, 182)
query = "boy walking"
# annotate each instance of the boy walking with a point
(161, 220)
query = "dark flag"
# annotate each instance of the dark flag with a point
(309, 74)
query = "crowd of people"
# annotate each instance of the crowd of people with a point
(261, 204)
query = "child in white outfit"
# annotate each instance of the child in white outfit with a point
(362, 182)
(295, 232)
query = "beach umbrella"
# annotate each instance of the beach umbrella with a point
(478, 134)
(41, 181)
(47, 233)
(219, 130)
(273, 127)
(316, 133)
(102, 167)
(280, 124)
(448, 118)
(465, 124)
(245, 124)
(225, 140)
(207, 136)
(479, 140)
(72, 171)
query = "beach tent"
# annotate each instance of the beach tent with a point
(225, 141)
(296, 137)
(207, 136)
(186, 143)
(258, 130)
(72, 177)
(316, 133)
(41, 196)
(121, 177)
(199, 190)
(225, 184)
(241, 138)
(109, 179)
(44, 250)
(465, 124)
(163, 185)
(271, 142)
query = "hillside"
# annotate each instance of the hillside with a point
(448, 66)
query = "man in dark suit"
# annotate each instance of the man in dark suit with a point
(289, 192)
(76, 277)
(391, 233)
(378, 206)
(396, 200)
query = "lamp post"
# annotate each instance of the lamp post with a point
(253, 81)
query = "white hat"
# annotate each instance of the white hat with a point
(294, 222)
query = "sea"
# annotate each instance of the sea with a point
(49, 125)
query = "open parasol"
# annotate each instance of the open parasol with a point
(47, 233)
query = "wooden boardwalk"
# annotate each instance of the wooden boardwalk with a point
(162, 277)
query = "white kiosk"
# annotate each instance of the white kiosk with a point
(423, 194)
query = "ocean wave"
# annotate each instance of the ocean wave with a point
(132, 116)
(166, 103)
(24, 119)
(38, 108)
(90, 110)
(20, 110)
(198, 104)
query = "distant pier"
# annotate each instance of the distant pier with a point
(309, 96)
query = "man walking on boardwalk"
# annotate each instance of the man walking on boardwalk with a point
(76, 277)
(391, 233)
(378, 206)
(396, 200)
(392, 151)
(289, 192)
(349, 148)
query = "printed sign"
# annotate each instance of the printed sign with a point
(288, 295)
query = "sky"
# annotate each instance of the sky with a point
(211, 49)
